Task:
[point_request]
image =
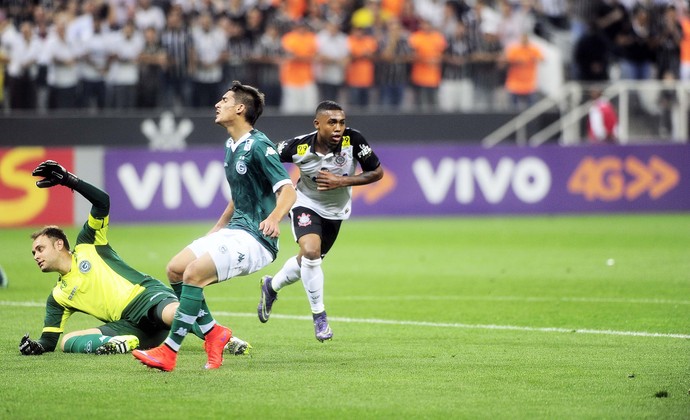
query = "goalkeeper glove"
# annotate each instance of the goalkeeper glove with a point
(29, 347)
(54, 174)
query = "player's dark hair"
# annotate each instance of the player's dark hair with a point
(328, 106)
(53, 232)
(251, 98)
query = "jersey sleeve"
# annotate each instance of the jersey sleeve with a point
(363, 152)
(54, 323)
(270, 161)
(95, 229)
(286, 150)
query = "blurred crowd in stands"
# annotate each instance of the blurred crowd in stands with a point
(426, 55)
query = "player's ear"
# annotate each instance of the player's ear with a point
(59, 244)
(316, 123)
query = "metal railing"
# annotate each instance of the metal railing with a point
(649, 111)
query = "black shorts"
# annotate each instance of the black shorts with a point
(305, 220)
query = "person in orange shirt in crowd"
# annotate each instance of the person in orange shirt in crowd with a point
(360, 70)
(393, 7)
(428, 46)
(522, 60)
(300, 94)
(296, 9)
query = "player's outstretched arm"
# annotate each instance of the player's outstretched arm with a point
(55, 174)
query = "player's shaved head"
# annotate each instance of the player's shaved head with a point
(328, 106)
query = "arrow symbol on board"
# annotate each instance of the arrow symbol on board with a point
(371, 193)
(657, 177)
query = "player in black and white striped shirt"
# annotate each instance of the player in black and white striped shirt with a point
(327, 159)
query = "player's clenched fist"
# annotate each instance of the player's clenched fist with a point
(29, 347)
(53, 174)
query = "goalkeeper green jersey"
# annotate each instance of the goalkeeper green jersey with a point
(254, 172)
(100, 283)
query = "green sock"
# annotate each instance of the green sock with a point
(205, 321)
(190, 303)
(85, 343)
(177, 288)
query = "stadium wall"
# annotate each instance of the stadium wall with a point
(424, 179)
(165, 130)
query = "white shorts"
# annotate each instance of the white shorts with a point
(233, 251)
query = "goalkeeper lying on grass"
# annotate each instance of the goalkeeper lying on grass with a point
(136, 308)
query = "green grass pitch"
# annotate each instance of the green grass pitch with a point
(497, 317)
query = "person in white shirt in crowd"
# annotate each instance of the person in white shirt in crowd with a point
(63, 73)
(431, 11)
(514, 21)
(81, 27)
(209, 47)
(22, 69)
(123, 73)
(331, 58)
(42, 26)
(148, 15)
(94, 65)
(120, 11)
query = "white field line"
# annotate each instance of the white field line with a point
(516, 299)
(427, 324)
(454, 298)
(528, 299)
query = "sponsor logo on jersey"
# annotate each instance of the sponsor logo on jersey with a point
(281, 146)
(85, 266)
(365, 151)
(241, 167)
(303, 220)
(240, 257)
(302, 149)
(222, 249)
(270, 151)
(346, 141)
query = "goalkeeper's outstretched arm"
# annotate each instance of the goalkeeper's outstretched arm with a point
(99, 199)
(55, 174)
